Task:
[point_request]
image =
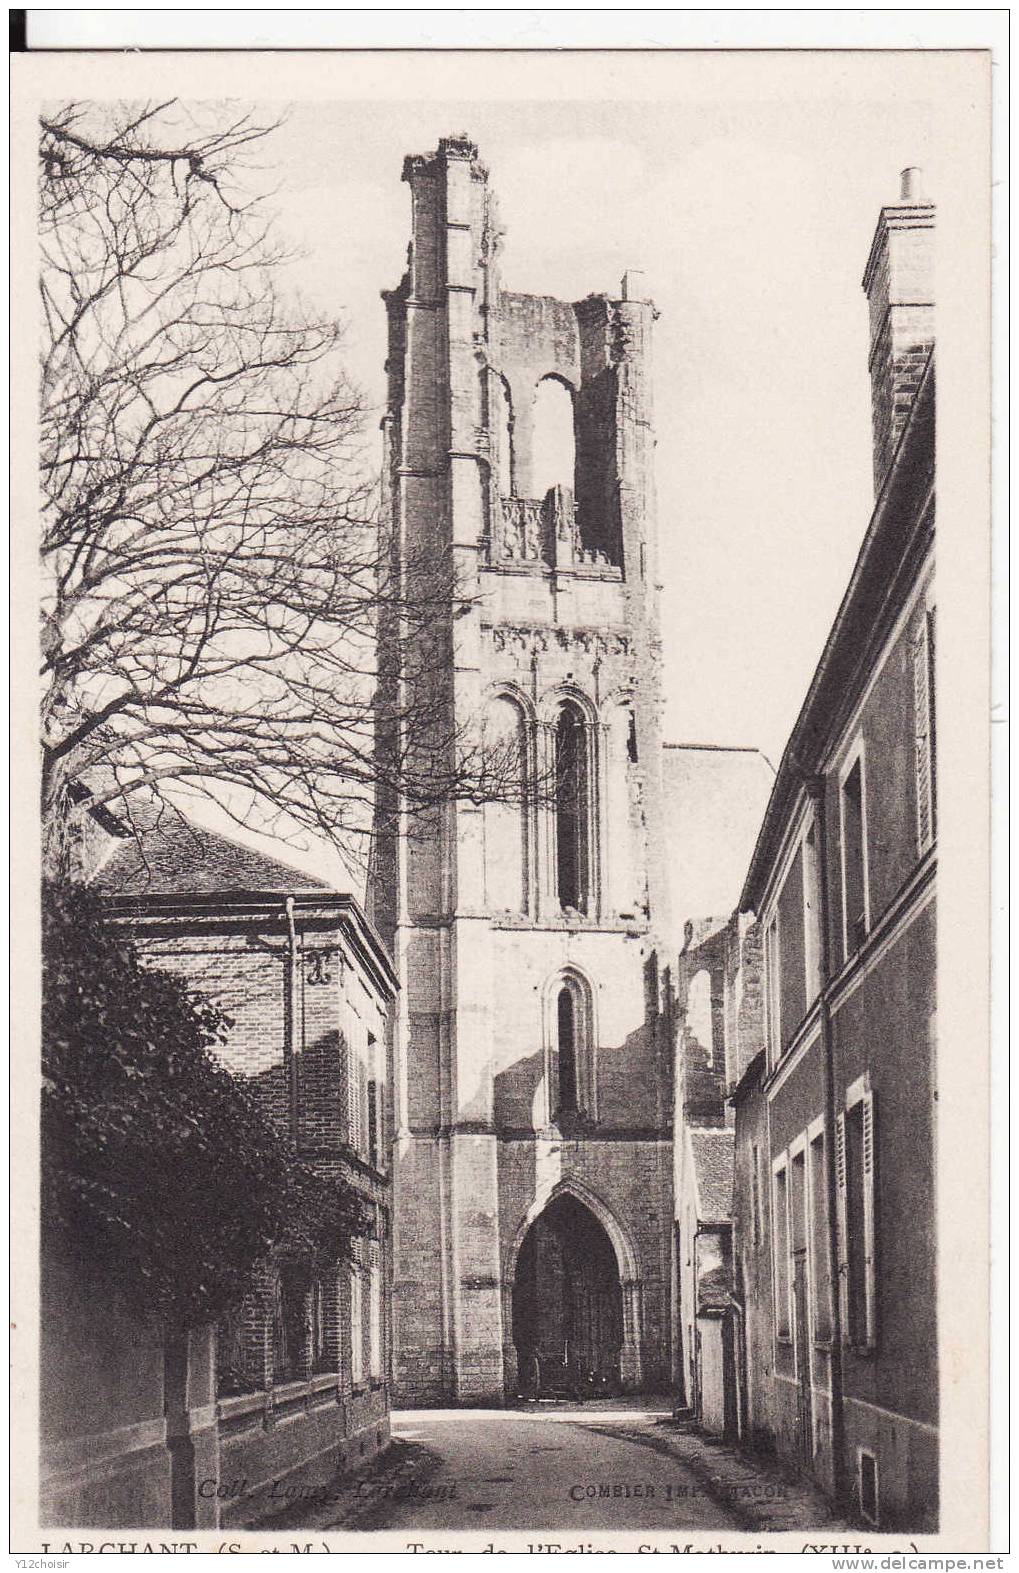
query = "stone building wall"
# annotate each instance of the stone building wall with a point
(561, 632)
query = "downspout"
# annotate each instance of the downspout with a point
(816, 788)
(290, 1018)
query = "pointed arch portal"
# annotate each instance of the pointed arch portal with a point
(567, 1305)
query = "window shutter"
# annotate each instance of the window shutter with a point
(841, 1208)
(870, 1279)
(790, 1272)
(373, 1124)
(932, 717)
(923, 715)
(353, 1099)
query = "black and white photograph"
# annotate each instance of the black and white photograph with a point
(493, 1080)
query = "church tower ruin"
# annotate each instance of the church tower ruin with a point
(533, 1046)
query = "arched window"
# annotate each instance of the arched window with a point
(506, 814)
(553, 450)
(572, 809)
(570, 1027)
(566, 1022)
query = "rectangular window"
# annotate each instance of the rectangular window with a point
(356, 1326)
(772, 990)
(798, 1203)
(811, 916)
(855, 915)
(780, 1231)
(790, 925)
(854, 1153)
(820, 1274)
(923, 724)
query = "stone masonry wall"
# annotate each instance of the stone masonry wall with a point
(564, 614)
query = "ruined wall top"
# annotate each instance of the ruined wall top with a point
(503, 349)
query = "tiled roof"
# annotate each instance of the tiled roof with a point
(714, 1290)
(713, 1161)
(186, 859)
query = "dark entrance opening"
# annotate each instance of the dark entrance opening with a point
(567, 1306)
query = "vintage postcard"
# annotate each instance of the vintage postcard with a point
(505, 537)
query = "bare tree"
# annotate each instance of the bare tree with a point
(214, 567)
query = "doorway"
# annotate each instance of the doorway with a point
(567, 1306)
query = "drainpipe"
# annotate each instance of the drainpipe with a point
(816, 788)
(290, 1018)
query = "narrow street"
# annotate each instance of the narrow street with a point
(569, 1467)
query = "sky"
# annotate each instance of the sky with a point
(752, 222)
(747, 188)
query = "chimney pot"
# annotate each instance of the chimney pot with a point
(911, 189)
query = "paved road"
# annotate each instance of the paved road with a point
(510, 1469)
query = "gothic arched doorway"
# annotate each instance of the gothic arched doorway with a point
(567, 1305)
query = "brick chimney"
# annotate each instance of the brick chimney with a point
(899, 284)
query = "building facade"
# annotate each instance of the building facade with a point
(718, 992)
(294, 1386)
(834, 1209)
(533, 1095)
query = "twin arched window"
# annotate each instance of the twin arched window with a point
(548, 458)
(511, 820)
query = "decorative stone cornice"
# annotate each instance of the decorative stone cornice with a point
(528, 638)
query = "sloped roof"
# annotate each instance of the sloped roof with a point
(713, 800)
(714, 1290)
(713, 1164)
(182, 858)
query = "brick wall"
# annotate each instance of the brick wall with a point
(899, 283)
(289, 1412)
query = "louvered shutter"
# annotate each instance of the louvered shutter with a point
(353, 1100)
(870, 1278)
(932, 718)
(923, 715)
(842, 1219)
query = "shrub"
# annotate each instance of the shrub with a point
(157, 1165)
